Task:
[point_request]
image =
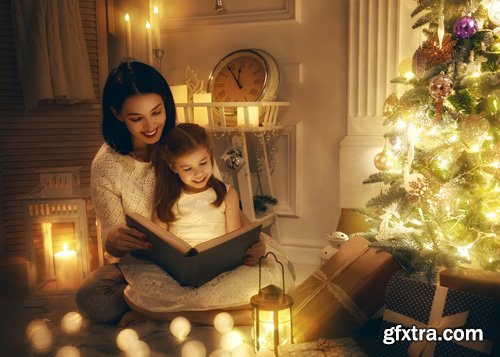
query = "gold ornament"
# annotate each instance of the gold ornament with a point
(416, 186)
(391, 105)
(384, 161)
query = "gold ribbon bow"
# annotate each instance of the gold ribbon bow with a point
(324, 282)
(438, 322)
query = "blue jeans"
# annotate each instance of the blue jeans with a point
(100, 298)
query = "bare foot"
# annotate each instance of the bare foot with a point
(131, 318)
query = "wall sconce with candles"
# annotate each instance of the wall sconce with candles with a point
(60, 251)
(272, 314)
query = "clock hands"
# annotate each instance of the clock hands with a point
(236, 79)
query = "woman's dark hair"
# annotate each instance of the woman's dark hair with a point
(126, 80)
(181, 140)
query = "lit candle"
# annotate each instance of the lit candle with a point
(66, 268)
(149, 46)
(180, 94)
(128, 36)
(156, 27)
(201, 113)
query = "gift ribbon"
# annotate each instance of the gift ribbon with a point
(436, 321)
(322, 282)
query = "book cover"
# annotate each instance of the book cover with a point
(194, 266)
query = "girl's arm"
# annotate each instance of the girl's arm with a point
(233, 221)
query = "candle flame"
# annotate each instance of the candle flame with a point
(155, 10)
(148, 25)
(65, 247)
(127, 17)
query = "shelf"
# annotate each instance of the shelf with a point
(224, 114)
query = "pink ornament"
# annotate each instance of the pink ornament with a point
(465, 27)
(440, 86)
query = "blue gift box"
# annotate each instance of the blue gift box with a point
(422, 319)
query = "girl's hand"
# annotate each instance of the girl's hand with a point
(123, 239)
(257, 250)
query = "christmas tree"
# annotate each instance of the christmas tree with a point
(439, 203)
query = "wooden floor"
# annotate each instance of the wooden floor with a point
(15, 316)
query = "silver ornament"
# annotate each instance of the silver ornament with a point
(233, 158)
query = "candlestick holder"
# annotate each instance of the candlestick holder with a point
(157, 57)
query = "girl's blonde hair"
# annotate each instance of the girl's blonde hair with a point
(181, 140)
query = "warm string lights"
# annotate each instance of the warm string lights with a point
(441, 169)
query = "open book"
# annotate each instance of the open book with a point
(194, 266)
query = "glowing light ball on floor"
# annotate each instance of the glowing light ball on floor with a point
(138, 348)
(194, 349)
(71, 323)
(180, 327)
(223, 322)
(42, 340)
(230, 340)
(243, 351)
(220, 353)
(125, 337)
(34, 326)
(68, 351)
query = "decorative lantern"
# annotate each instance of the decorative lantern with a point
(60, 252)
(272, 315)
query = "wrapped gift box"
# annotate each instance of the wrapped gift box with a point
(475, 281)
(417, 306)
(343, 293)
(340, 347)
(480, 282)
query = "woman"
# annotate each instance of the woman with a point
(138, 111)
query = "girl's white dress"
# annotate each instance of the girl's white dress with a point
(122, 184)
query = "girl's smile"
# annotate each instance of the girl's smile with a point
(194, 169)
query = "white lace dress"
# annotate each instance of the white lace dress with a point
(122, 184)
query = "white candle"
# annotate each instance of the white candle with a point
(253, 115)
(201, 113)
(128, 36)
(180, 94)
(66, 268)
(156, 27)
(248, 116)
(149, 46)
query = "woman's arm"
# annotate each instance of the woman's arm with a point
(118, 237)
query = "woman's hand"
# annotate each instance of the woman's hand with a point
(123, 239)
(257, 250)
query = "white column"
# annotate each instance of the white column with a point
(380, 36)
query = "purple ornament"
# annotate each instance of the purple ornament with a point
(465, 27)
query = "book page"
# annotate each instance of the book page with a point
(148, 227)
(224, 238)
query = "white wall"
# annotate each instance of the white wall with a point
(339, 47)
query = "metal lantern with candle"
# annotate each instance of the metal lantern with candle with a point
(60, 250)
(272, 314)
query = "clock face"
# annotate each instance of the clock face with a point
(241, 77)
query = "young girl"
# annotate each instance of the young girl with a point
(189, 200)
(194, 205)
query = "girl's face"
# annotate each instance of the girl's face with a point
(194, 169)
(144, 115)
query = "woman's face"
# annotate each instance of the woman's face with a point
(144, 115)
